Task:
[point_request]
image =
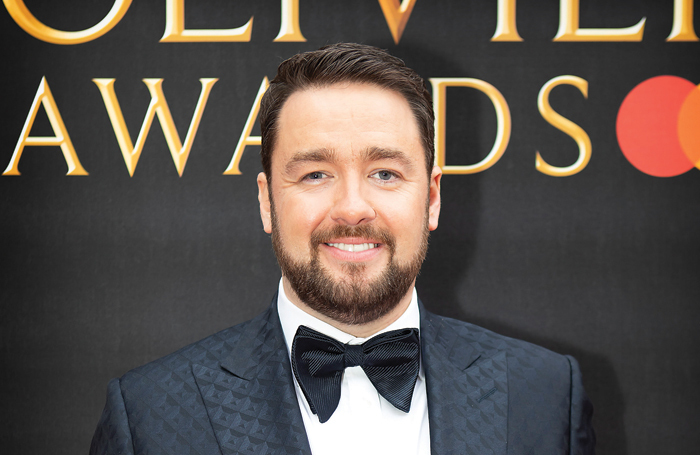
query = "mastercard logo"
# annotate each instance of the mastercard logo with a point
(658, 126)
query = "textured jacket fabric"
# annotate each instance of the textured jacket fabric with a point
(233, 393)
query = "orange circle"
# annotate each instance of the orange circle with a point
(648, 126)
(689, 126)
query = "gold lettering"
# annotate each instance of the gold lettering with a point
(565, 125)
(289, 28)
(502, 116)
(61, 138)
(30, 24)
(569, 27)
(506, 28)
(397, 15)
(159, 107)
(683, 29)
(175, 31)
(246, 139)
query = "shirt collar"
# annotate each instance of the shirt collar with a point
(291, 317)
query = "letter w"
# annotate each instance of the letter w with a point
(180, 152)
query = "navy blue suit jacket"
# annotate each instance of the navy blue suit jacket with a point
(233, 393)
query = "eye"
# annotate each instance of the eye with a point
(384, 175)
(317, 175)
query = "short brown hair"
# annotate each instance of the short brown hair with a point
(345, 62)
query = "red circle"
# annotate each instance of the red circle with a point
(647, 126)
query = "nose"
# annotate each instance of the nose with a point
(351, 205)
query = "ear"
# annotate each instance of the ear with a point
(264, 200)
(434, 198)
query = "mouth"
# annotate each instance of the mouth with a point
(360, 244)
(354, 247)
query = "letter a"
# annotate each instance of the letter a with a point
(246, 139)
(61, 138)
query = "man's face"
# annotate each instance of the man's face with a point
(350, 202)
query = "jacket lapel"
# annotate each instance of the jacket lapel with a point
(467, 389)
(250, 400)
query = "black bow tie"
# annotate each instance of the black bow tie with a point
(390, 360)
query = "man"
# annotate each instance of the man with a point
(346, 359)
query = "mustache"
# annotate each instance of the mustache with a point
(364, 230)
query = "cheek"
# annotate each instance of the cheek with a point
(405, 218)
(297, 218)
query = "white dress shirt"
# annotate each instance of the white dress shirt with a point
(364, 422)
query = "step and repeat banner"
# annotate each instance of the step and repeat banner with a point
(568, 132)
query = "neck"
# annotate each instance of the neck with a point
(356, 330)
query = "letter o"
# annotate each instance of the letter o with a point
(30, 24)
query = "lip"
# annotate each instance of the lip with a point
(353, 240)
(354, 256)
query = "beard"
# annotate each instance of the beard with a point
(352, 299)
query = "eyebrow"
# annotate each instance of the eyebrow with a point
(330, 156)
(318, 155)
(378, 153)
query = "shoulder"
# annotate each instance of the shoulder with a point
(523, 357)
(544, 388)
(208, 352)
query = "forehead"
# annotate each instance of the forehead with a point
(347, 119)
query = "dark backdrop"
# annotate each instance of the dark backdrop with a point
(102, 273)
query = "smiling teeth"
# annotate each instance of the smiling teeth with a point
(353, 247)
